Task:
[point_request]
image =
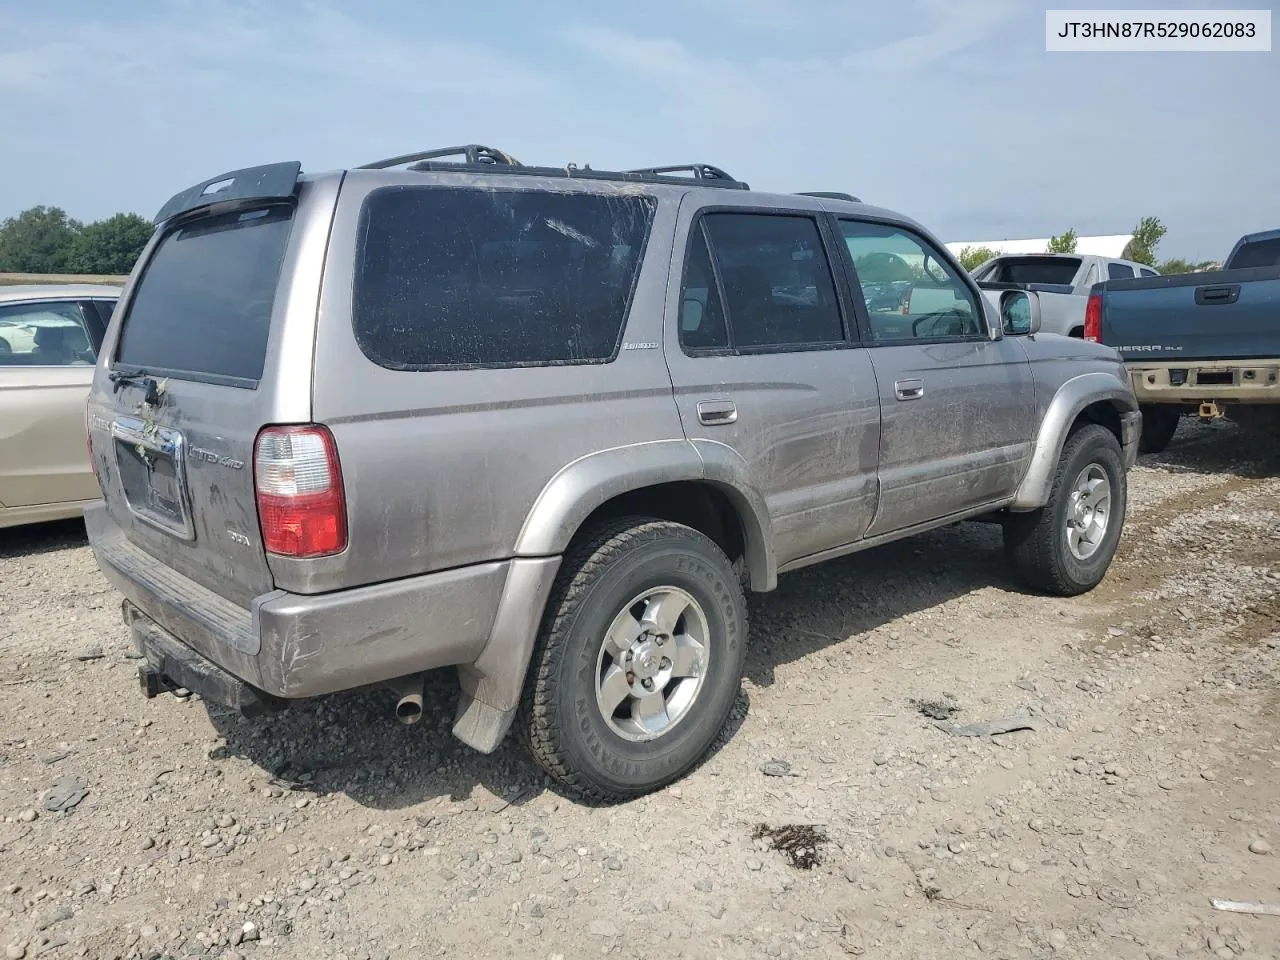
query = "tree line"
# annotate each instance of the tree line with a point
(1147, 235)
(45, 240)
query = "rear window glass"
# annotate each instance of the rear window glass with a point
(203, 306)
(450, 277)
(1061, 270)
(1260, 253)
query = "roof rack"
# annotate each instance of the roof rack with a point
(472, 153)
(474, 158)
(699, 171)
(829, 195)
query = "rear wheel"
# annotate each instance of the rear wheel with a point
(1159, 424)
(639, 659)
(1066, 546)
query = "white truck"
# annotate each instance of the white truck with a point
(1062, 280)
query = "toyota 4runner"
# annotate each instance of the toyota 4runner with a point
(543, 425)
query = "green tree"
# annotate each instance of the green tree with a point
(110, 246)
(1178, 265)
(37, 240)
(971, 258)
(1063, 242)
(1146, 237)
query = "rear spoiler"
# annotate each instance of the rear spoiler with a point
(273, 181)
(1037, 287)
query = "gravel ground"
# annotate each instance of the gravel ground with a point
(1146, 783)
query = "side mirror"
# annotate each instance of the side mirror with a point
(1019, 313)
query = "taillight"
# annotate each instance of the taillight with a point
(1093, 318)
(298, 481)
(906, 304)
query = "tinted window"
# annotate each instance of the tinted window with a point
(702, 324)
(461, 277)
(1260, 253)
(203, 305)
(45, 335)
(1148, 273)
(910, 292)
(778, 286)
(1119, 271)
(1059, 270)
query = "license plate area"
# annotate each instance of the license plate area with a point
(152, 467)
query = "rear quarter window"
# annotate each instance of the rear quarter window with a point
(460, 277)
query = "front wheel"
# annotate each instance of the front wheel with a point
(1066, 547)
(638, 662)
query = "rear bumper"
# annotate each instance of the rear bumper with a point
(1226, 381)
(290, 646)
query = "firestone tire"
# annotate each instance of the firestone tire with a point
(641, 609)
(1066, 547)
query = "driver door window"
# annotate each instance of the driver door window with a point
(910, 292)
(45, 335)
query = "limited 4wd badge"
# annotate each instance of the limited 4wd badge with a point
(201, 455)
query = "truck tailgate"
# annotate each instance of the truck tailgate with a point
(1225, 315)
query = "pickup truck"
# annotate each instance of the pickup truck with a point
(1206, 342)
(1062, 280)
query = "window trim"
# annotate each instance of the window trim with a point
(89, 319)
(650, 202)
(849, 334)
(943, 256)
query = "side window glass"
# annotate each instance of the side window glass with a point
(1148, 273)
(1119, 271)
(778, 284)
(910, 292)
(44, 335)
(702, 325)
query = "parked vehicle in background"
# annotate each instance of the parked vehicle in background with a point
(543, 425)
(1206, 343)
(1063, 281)
(49, 340)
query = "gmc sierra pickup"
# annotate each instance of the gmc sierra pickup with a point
(1202, 342)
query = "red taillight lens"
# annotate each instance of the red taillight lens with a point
(298, 480)
(1093, 318)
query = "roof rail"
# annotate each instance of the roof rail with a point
(472, 153)
(699, 171)
(829, 195)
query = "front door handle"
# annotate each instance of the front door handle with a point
(908, 389)
(713, 413)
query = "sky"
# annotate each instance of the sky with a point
(949, 111)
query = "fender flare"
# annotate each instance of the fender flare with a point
(581, 487)
(1071, 398)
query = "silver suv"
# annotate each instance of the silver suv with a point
(543, 425)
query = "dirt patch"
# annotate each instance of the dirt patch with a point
(801, 843)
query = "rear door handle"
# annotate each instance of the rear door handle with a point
(908, 389)
(712, 413)
(1211, 296)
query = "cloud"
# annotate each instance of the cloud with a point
(949, 28)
